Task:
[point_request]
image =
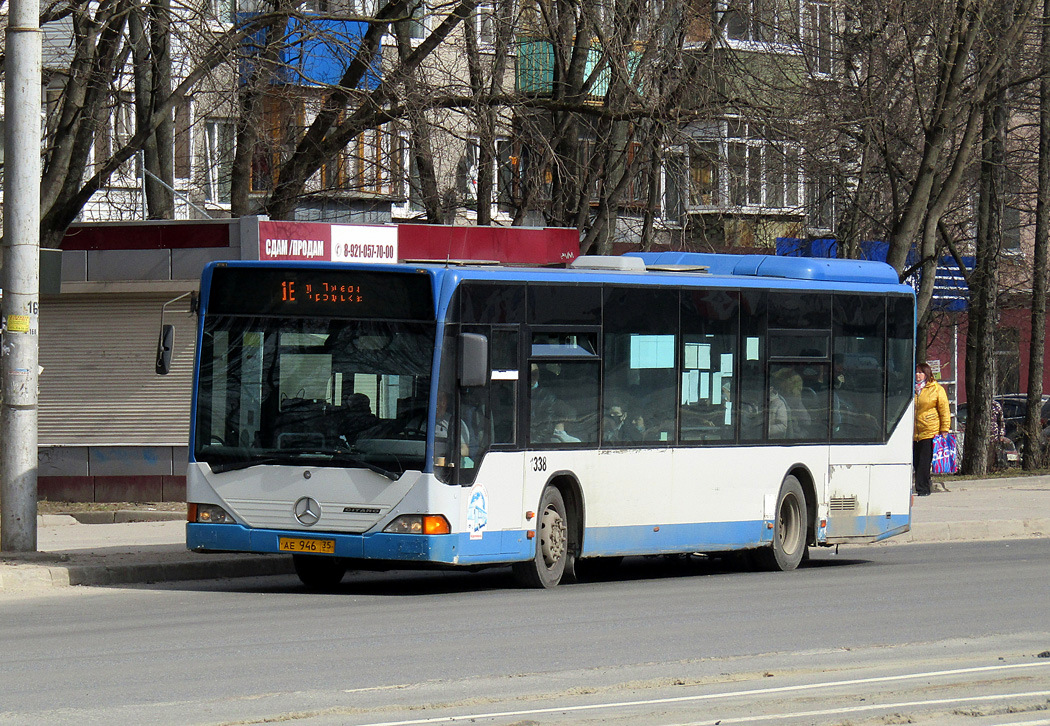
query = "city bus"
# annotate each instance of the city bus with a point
(382, 416)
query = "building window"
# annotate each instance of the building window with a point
(418, 21)
(636, 193)
(219, 135)
(361, 8)
(762, 21)
(504, 173)
(485, 23)
(335, 172)
(817, 21)
(703, 174)
(782, 176)
(589, 169)
(375, 152)
(530, 17)
(674, 181)
(404, 177)
(282, 125)
(744, 161)
(115, 128)
(182, 150)
(369, 164)
(820, 198)
(225, 11)
(761, 171)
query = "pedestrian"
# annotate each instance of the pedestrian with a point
(932, 417)
(996, 434)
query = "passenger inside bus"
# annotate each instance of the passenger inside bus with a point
(442, 450)
(614, 424)
(619, 426)
(356, 417)
(541, 404)
(563, 417)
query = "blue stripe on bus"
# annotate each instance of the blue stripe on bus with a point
(874, 526)
(513, 545)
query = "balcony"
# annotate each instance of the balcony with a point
(315, 51)
(536, 62)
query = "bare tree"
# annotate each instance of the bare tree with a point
(1032, 456)
(149, 34)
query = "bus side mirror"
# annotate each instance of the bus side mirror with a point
(473, 360)
(165, 345)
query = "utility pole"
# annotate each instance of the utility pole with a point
(20, 279)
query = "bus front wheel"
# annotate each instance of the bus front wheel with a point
(547, 566)
(319, 572)
(789, 529)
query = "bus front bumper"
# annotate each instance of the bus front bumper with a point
(448, 549)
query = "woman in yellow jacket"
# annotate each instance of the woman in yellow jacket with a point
(932, 417)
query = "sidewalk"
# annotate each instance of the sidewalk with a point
(122, 550)
(72, 553)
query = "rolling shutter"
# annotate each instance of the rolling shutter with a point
(98, 385)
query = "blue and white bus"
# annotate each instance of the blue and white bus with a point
(463, 416)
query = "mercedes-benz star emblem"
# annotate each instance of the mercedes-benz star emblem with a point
(307, 511)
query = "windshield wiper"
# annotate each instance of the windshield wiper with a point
(243, 464)
(290, 454)
(348, 458)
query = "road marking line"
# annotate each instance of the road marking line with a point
(870, 707)
(712, 696)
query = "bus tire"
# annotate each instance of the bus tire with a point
(789, 529)
(547, 566)
(319, 572)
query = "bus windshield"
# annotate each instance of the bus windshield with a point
(346, 393)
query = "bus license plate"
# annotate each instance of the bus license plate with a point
(303, 544)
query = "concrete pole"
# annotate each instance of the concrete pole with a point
(19, 371)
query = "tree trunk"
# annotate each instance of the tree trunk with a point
(251, 120)
(1032, 456)
(160, 196)
(420, 134)
(980, 339)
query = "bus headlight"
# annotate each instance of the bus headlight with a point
(419, 524)
(208, 514)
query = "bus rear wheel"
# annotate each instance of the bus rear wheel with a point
(318, 572)
(547, 566)
(790, 526)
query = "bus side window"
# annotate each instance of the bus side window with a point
(563, 383)
(858, 367)
(640, 366)
(503, 388)
(709, 335)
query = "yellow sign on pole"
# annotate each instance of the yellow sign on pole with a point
(18, 323)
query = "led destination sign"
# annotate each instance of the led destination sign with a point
(292, 291)
(335, 293)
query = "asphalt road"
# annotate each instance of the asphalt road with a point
(876, 634)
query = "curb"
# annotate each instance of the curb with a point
(984, 530)
(113, 516)
(18, 576)
(120, 516)
(32, 575)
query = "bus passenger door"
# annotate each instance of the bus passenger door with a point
(492, 416)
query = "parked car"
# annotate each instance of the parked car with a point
(1015, 408)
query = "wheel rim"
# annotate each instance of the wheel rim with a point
(790, 524)
(552, 537)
